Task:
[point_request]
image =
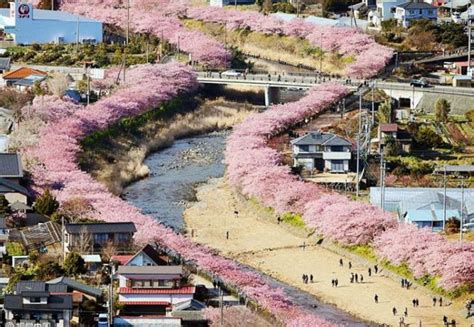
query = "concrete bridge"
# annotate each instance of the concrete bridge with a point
(271, 83)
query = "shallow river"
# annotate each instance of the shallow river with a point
(175, 172)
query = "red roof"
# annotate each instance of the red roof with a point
(145, 303)
(23, 72)
(388, 128)
(182, 290)
(122, 259)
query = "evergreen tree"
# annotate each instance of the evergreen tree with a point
(46, 204)
(74, 264)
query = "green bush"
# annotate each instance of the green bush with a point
(46, 204)
(470, 115)
(14, 249)
(294, 220)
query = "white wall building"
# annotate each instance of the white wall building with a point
(26, 25)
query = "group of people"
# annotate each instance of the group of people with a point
(440, 301)
(405, 283)
(415, 302)
(356, 277)
(307, 278)
(334, 282)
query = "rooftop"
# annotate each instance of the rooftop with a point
(388, 128)
(320, 138)
(10, 165)
(97, 228)
(71, 284)
(181, 290)
(40, 14)
(23, 73)
(416, 5)
(151, 253)
(7, 186)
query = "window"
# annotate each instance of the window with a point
(337, 148)
(421, 12)
(304, 148)
(35, 299)
(337, 165)
(100, 238)
(123, 237)
(430, 12)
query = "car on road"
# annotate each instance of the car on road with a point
(231, 73)
(469, 227)
(103, 320)
(419, 83)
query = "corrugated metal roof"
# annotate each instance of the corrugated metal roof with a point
(10, 165)
(150, 270)
(96, 228)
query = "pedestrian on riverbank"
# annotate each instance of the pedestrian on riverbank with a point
(440, 301)
(227, 235)
(304, 245)
(361, 278)
(445, 321)
(333, 282)
(405, 313)
(402, 282)
(279, 220)
(370, 272)
(394, 311)
(303, 277)
(356, 278)
(414, 302)
(350, 265)
(341, 263)
(311, 278)
(434, 301)
(336, 282)
(376, 269)
(376, 298)
(417, 302)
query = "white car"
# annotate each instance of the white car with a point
(468, 227)
(231, 73)
(103, 320)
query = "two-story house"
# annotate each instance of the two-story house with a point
(37, 303)
(146, 256)
(385, 10)
(407, 12)
(322, 151)
(151, 290)
(3, 237)
(91, 238)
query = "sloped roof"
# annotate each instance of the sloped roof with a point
(23, 72)
(388, 128)
(151, 253)
(150, 270)
(53, 15)
(7, 186)
(319, 138)
(75, 285)
(94, 228)
(10, 165)
(416, 5)
(4, 63)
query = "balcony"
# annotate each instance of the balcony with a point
(336, 155)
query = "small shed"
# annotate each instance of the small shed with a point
(462, 81)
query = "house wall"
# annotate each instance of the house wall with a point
(404, 16)
(328, 165)
(13, 197)
(308, 163)
(28, 30)
(171, 298)
(141, 260)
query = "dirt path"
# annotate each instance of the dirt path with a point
(276, 251)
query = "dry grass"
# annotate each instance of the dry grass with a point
(118, 162)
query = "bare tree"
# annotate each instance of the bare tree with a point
(58, 84)
(84, 240)
(108, 251)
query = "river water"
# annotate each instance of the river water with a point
(175, 173)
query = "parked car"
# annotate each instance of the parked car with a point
(469, 227)
(103, 320)
(419, 83)
(231, 73)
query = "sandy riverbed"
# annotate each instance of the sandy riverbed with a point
(273, 249)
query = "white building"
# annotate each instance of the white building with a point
(24, 24)
(385, 10)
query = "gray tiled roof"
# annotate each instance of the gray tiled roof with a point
(7, 186)
(416, 5)
(95, 228)
(55, 302)
(319, 138)
(148, 270)
(75, 285)
(10, 165)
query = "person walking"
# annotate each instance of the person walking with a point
(361, 278)
(402, 282)
(405, 313)
(341, 263)
(311, 278)
(376, 298)
(445, 321)
(417, 302)
(332, 282)
(370, 271)
(413, 302)
(376, 269)
(350, 265)
(303, 277)
(434, 301)
(336, 281)
(440, 301)
(394, 311)
(227, 235)
(356, 278)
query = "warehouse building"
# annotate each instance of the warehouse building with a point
(24, 24)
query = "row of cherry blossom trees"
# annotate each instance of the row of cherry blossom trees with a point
(370, 57)
(158, 18)
(257, 171)
(51, 149)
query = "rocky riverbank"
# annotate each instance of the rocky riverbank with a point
(117, 160)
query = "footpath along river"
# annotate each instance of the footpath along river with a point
(175, 173)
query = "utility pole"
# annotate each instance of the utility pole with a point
(128, 20)
(297, 8)
(179, 50)
(444, 199)
(77, 36)
(52, 5)
(382, 204)
(469, 30)
(358, 144)
(462, 210)
(221, 304)
(373, 104)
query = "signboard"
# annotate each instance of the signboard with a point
(24, 11)
(96, 73)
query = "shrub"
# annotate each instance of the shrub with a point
(46, 204)
(74, 264)
(470, 115)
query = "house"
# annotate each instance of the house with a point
(5, 64)
(385, 10)
(424, 207)
(407, 12)
(151, 290)
(26, 25)
(401, 137)
(322, 151)
(36, 302)
(462, 81)
(24, 77)
(123, 321)
(73, 286)
(87, 238)
(146, 256)
(11, 173)
(93, 262)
